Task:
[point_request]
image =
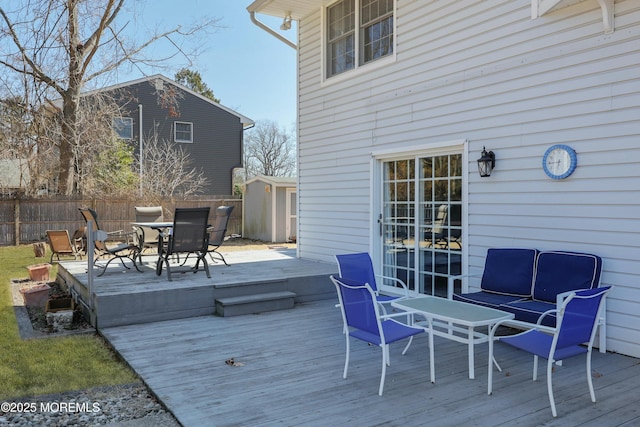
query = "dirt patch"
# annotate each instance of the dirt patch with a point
(37, 316)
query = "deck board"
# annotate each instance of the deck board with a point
(292, 375)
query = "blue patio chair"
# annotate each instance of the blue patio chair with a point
(577, 322)
(359, 267)
(362, 320)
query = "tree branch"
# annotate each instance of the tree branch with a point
(36, 71)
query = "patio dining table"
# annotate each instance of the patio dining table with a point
(160, 226)
(454, 320)
(154, 225)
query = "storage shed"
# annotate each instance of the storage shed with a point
(270, 206)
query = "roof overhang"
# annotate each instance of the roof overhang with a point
(246, 121)
(297, 9)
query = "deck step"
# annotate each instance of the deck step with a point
(256, 303)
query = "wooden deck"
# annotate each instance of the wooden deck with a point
(122, 297)
(291, 375)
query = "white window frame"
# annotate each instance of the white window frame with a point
(175, 132)
(433, 149)
(127, 123)
(359, 65)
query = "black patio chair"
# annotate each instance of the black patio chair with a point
(120, 251)
(218, 231)
(189, 236)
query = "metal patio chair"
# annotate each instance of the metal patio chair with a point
(359, 267)
(60, 244)
(188, 236)
(121, 251)
(218, 231)
(147, 237)
(362, 320)
(577, 322)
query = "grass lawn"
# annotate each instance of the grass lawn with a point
(48, 365)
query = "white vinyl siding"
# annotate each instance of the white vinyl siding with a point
(486, 72)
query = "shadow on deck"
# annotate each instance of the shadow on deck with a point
(264, 279)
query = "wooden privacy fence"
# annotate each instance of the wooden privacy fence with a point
(27, 220)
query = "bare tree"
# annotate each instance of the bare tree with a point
(65, 45)
(167, 170)
(269, 150)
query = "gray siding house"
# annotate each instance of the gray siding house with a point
(397, 98)
(211, 133)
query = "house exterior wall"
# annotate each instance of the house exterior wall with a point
(487, 74)
(217, 134)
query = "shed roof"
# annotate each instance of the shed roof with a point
(278, 181)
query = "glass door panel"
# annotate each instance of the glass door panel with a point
(421, 222)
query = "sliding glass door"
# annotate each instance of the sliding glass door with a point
(421, 221)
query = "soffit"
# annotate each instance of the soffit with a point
(298, 9)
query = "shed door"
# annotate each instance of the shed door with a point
(292, 216)
(421, 220)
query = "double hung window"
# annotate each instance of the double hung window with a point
(183, 132)
(350, 45)
(123, 127)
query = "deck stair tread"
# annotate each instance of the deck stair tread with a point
(256, 303)
(266, 296)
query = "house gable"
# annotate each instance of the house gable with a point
(211, 134)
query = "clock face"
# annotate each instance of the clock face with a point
(559, 161)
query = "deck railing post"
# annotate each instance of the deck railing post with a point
(92, 236)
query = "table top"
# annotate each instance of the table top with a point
(154, 225)
(452, 311)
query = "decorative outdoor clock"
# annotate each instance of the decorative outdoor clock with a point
(559, 161)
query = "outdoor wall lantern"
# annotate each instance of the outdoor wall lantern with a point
(486, 163)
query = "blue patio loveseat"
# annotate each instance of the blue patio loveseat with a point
(530, 283)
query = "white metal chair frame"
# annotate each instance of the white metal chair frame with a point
(380, 319)
(555, 333)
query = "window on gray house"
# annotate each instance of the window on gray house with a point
(373, 40)
(123, 127)
(183, 132)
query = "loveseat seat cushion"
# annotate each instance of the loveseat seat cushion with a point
(559, 271)
(487, 299)
(530, 311)
(509, 271)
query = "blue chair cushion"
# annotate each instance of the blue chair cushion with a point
(486, 299)
(509, 271)
(530, 311)
(559, 271)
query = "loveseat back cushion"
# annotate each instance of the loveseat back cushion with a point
(509, 271)
(558, 271)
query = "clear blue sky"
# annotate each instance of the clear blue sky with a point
(249, 70)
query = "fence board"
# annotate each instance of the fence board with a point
(36, 216)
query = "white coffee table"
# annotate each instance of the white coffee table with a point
(454, 320)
